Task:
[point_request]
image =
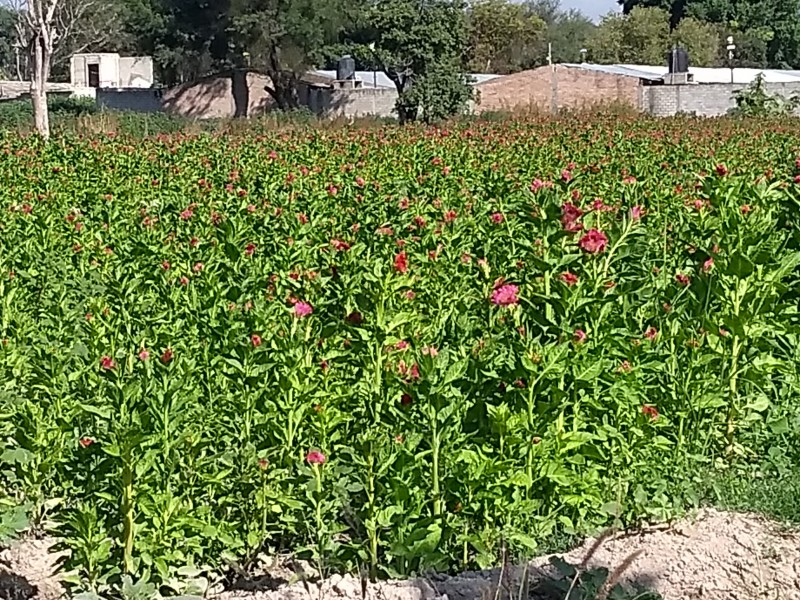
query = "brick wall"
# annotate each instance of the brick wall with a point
(704, 99)
(549, 89)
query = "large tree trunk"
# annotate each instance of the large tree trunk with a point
(40, 73)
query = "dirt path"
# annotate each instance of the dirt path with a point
(714, 556)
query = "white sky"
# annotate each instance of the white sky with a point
(592, 8)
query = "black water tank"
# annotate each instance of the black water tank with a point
(346, 68)
(678, 60)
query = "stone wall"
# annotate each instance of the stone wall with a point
(551, 89)
(352, 102)
(703, 99)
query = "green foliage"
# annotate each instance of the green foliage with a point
(643, 36)
(18, 113)
(756, 101)
(502, 36)
(567, 30)
(420, 45)
(766, 32)
(163, 379)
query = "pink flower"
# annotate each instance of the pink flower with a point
(401, 262)
(255, 340)
(187, 214)
(651, 333)
(569, 217)
(566, 176)
(315, 457)
(355, 318)
(250, 249)
(569, 279)
(410, 294)
(579, 336)
(165, 265)
(536, 185)
(637, 212)
(708, 265)
(413, 373)
(340, 245)
(625, 367)
(683, 279)
(745, 209)
(302, 218)
(167, 356)
(144, 355)
(198, 267)
(430, 351)
(721, 170)
(650, 411)
(184, 280)
(406, 399)
(505, 295)
(302, 309)
(401, 345)
(107, 363)
(450, 216)
(85, 442)
(497, 218)
(593, 242)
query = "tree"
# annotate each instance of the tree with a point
(700, 39)
(419, 44)
(771, 26)
(39, 26)
(8, 42)
(566, 34)
(641, 37)
(502, 36)
(280, 37)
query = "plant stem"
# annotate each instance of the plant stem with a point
(127, 512)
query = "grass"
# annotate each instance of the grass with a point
(772, 494)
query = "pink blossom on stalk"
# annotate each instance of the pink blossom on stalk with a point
(745, 209)
(144, 355)
(255, 340)
(315, 457)
(683, 279)
(708, 265)
(430, 351)
(536, 185)
(401, 262)
(107, 363)
(579, 336)
(187, 214)
(250, 249)
(569, 279)
(593, 242)
(167, 356)
(637, 212)
(165, 265)
(505, 295)
(303, 309)
(498, 218)
(651, 333)
(85, 442)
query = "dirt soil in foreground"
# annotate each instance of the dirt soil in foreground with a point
(713, 556)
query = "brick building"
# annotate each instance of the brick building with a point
(651, 89)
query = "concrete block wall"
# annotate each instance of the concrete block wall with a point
(143, 100)
(364, 102)
(703, 99)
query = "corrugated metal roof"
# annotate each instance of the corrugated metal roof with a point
(701, 74)
(379, 78)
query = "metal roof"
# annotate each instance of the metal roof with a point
(381, 79)
(701, 74)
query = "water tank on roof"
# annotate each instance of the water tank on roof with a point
(346, 68)
(678, 60)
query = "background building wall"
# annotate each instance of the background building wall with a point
(705, 99)
(554, 88)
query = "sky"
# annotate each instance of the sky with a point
(592, 8)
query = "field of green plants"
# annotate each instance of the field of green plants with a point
(390, 349)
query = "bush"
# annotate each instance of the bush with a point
(404, 348)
